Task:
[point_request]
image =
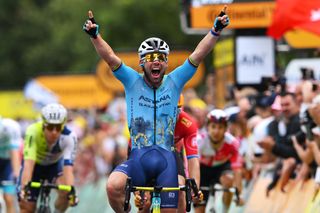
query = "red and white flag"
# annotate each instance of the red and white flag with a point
(290, 14)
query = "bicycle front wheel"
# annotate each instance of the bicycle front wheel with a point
(44, 209)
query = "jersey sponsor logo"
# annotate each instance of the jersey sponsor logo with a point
(186, 122)
(194, 142)
(193, 146)
(149, 100)
(172, 195)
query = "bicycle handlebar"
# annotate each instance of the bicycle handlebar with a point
(72, 195)
(190, 184)
(61, 187)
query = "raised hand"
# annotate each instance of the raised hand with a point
(90, 26)
(222, 20)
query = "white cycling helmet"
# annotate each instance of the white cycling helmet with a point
(54, 114)
(217, 116)
(152, 45)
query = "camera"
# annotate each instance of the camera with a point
(307, 124)
(270, 83)
(307, 73)
(300, 136)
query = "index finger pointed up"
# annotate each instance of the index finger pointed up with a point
(225, 8)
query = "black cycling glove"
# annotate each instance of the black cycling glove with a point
(218, 26)
(93, 32)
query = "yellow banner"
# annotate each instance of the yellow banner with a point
(14, 105)
(223, 53)
(242, 15)
(77, 91)
(302, 39)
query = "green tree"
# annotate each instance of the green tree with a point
(45, 37)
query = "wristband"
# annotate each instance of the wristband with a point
(215, 34)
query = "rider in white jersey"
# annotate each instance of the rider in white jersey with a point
(10, 142)
(49, 153)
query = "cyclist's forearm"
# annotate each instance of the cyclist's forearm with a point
(194, 170)
(106, 52)
(203, 48)
(316, 154)
(68, 177)
(238, 179)
(27, 172)
(15, 162)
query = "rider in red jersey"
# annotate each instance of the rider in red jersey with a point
(220, 161)
(185, 138)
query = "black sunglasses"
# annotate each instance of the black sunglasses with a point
(51, 127)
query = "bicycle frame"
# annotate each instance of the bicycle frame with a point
(156, 190)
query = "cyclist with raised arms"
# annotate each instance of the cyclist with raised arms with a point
(152, 110)
(49, 153)
(10, 142)
(220, 161)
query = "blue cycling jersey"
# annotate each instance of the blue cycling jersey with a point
(151, 112)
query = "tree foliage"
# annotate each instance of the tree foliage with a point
(44, 37)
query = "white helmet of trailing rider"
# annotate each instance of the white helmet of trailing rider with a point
(217, 116)
(152, 45)
(54, 114)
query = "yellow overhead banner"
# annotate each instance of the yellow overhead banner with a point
(77, 91)
(223, 53)
(242, 15)
(176, 58)
(14, 105)
(302, 39)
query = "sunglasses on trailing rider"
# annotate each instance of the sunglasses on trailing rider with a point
(51, 127)
(151, 57)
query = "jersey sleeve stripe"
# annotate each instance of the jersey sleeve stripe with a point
(192, 156)
(68, 162)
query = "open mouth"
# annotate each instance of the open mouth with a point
(155, 73)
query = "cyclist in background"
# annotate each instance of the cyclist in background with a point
(49, 153)
(220, 161)
(152, 110)
(185, 137)
(10, 142)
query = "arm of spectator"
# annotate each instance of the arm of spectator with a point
(312, 145)
(284, 150)
(267, 143)
(305, 155)
(307, 93)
